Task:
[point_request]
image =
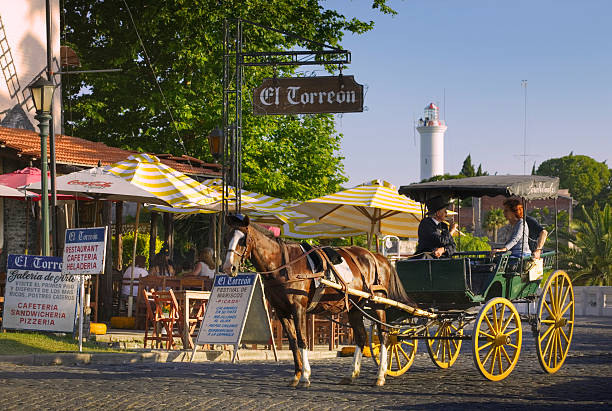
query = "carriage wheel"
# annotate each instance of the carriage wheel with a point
(496, 343)
(400, 352)
(556, 321)
(444, 353)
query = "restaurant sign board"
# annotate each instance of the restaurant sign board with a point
(84, 250)
(38, 297)
(308, 95)
(236, 313)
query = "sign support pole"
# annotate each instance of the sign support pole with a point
(81, 310)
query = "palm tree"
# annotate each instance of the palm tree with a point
(494, 220)
(589, 261)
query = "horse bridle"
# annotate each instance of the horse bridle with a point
(247, 249)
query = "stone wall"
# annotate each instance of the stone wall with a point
(15, 229)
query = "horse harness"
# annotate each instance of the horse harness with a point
(328, 269)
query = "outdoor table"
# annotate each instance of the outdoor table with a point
(185, 297)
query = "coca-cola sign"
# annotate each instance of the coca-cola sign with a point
(308, 95)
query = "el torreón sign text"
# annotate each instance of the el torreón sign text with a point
(308, 95)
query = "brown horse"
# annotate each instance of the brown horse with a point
(290, 286)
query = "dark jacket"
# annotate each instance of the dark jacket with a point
(432, 236)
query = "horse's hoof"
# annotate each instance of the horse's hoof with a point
(294, 383)
(304, 384)
(380, 382)
(346, 381)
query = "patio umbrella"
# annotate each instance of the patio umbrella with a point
(24, 177)
(6, 191)
(374, 207)
(313, 229)
(100, 184)
(175, 188)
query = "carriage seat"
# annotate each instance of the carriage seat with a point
(481, 274)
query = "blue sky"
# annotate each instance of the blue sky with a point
(476, 53)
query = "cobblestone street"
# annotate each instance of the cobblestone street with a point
(584, 382)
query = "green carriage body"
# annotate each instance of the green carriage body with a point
(467, 280)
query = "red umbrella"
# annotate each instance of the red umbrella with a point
(27, 176)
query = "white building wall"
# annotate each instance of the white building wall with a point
(23, 48)
(589, 301)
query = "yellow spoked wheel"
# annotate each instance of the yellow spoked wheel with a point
(496, 343)
(556, 318)
(400, 351)
(444, 352)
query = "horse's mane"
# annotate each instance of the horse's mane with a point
(269, 234)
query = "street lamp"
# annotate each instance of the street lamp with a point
(216, 143)
(42, 94)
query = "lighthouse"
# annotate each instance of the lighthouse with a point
(432, 130)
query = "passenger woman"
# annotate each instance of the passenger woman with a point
(518, 243)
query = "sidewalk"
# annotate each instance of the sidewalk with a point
(133, 340)
(151, 356)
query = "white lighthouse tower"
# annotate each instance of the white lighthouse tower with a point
(432, 130)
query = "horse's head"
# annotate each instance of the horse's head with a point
(237, 243)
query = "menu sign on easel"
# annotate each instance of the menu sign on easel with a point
(236, 313)
(38, 296)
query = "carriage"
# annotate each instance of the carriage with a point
(469, 297)
(473, 296)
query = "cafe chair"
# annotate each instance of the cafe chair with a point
(150, 320)
(168, 315)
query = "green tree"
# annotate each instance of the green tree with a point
(479, 172)
(494, 220)
(467, 169)
(585, 177)
(589, 260)
(469, 242)
(142, 247)
(184, 45)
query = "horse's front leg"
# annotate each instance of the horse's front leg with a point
(359, 331)
(383, 336)
(300, 324)
(287, 323)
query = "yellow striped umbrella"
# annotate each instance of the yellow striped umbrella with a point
(313, 229)
(375, 207)
(176, 188)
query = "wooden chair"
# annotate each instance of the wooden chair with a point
(171, 283)
(172, 320)
(147, 283)
(151, 320)
(193, 283)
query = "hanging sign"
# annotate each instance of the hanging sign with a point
(236, 313)
(308, 95)
(37, 295)
(84, 251)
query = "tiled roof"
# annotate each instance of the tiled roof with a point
(80, 152)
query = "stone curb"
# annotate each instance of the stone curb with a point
(155, 356)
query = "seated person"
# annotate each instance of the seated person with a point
(518, 243)
(162, 265)
(537, 236)
(205, 267)
(139, 271)
(435, 238)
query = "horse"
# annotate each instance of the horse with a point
(290, 287)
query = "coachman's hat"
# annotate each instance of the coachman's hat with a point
(435, 203)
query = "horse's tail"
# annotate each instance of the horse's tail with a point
(396, 290)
